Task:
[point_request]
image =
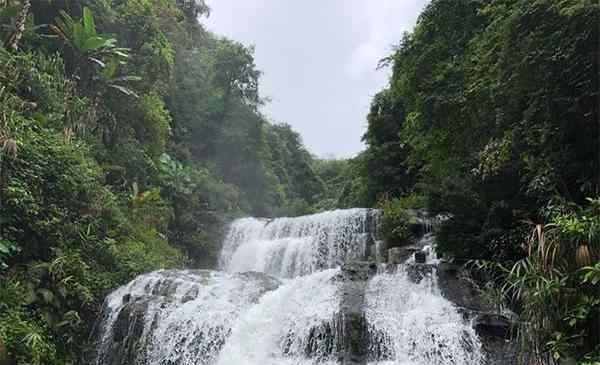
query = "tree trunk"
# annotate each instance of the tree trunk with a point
(15, 37)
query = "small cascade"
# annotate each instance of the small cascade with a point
(411, 323)
(292, 291)
(295, 324)
(290, 247)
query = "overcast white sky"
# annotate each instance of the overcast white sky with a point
(318, 58)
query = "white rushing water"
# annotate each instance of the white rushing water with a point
(290, 247)
(412, 324)
(291, 325)
(277, 302)
(186, 315)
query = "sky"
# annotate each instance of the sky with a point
(319, 60)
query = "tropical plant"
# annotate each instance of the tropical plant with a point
(84, 39)
(92, 48)
(555, 286)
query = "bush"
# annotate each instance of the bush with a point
(395, 222)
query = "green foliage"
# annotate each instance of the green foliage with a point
(334, 174)
(200, 202)
(355, 192)
(395, 222)
(23, 335)
(153, 125)
(555, 286)
(83, 38)
(491, 115)
(105, 175)
(385, 160)
(91, 49)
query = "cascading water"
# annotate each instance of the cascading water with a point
(411, 323)
(284, 297)
(290, 247)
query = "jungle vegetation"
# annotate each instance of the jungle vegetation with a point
(130, 134)
(491, 117)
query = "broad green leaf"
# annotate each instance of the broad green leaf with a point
(88, 22)
(93, 43)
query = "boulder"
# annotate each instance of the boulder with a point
(127, 345)
(500, 351)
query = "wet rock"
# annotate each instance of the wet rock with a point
(457, 288)
(500, 351)
(267, 283)
(420, 257)
(419, 221)
(322, 342)
(494, 330)
(129, 339)
(417, 272)
(127, 345)
(353, 335)
(399, 255)
(354, 339)
(492, 325)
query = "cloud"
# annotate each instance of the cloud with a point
(319, 59)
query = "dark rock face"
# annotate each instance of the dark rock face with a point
(353, 347)
(128, 343)
(494, 330)
(420, 257)
(460, 291)
(499, 351)
(492, 325)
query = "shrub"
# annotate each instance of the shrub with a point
(395, 222)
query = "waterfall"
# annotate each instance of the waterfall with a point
(294, 324)
(289, 247)
(290, 291)
(411, 323)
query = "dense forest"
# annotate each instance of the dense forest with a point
(491, 117)
(130, 135)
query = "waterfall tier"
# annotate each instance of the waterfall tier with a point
(292, 291)
(290, 247)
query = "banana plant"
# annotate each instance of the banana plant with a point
(83, 38)
(91, 47)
